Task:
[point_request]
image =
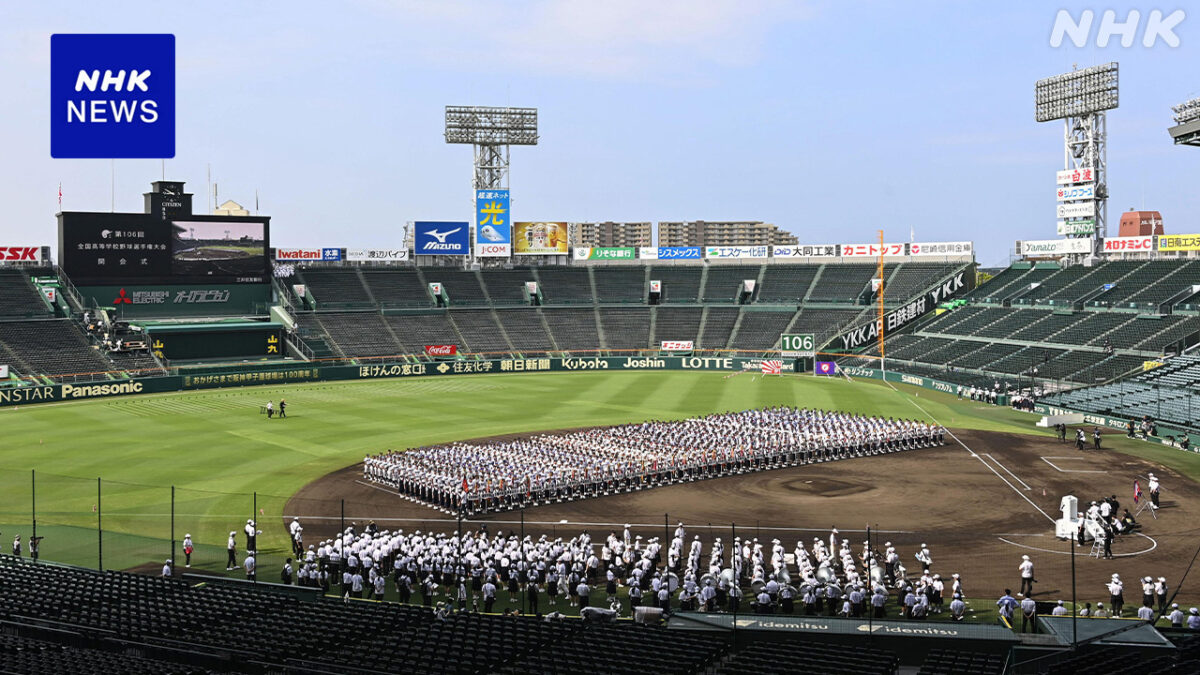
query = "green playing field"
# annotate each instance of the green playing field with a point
(217, 449)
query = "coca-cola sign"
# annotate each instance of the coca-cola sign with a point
(441, 350)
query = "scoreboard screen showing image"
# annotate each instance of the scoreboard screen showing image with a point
(107, 248)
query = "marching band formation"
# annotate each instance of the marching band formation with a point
(474, 569)
(479, 478)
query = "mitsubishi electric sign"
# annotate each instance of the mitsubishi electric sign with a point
(112, 96)
(441, 238)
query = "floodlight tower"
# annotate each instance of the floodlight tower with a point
(1080, 98)
(490, 131)
(1187, 123)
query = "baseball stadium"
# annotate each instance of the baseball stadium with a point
(485, 445)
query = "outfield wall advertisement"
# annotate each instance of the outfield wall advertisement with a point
(306, 372)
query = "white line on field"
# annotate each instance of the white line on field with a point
(1006, 470)
(976, 456)
(1153, 545)
(718, 527)
(1060, 470)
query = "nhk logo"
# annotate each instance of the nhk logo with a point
(112, 96)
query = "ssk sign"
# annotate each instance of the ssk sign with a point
(112, 96)
(21, 253)
(441, 350)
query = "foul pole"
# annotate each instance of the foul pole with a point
(882, 362)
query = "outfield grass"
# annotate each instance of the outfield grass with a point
(217, 450)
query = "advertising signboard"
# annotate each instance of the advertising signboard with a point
(493, 229)
(376, 254)
(1055, 247)
(718, 252)
(21, 253)
(1079, 210)
(1066, 193)
(872, 250)
(1068, 227)
(671, 252)
(805, 251)
(1128, 244)
(941, 248)
(1179, 242)
(440, 237)
(1071, 176)
(610, 253)
(540, 238)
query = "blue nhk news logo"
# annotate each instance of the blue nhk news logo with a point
(112, 96)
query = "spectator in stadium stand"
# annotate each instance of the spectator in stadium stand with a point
(1026, 570)
(251, 566)
(187, 550)
(231, 549)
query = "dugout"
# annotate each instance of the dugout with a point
(217, 340)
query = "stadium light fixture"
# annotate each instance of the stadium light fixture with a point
(1187, 123)
(482, 125)
(1077, 93)
(490, 131)
(1081, 98)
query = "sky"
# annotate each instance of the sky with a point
(833, 119)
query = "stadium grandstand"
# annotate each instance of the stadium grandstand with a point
(1055, 327)
(347, 442)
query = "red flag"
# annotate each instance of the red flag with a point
(1137, 491)
(528, 490)
(466, 488)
